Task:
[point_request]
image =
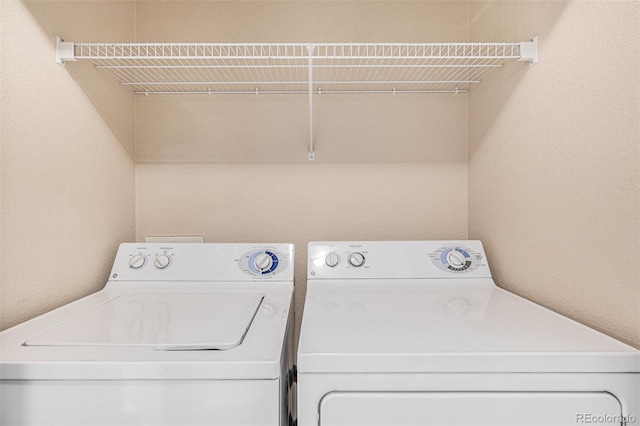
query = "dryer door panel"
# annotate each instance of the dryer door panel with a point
(469, 409)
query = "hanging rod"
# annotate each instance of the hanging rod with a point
(214, 83)
(297, 92)
(293, 66)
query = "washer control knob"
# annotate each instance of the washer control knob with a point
(263, 262)
(356, 259)
(137, 261)
(332, 259)
(162, 261)
(456, 259)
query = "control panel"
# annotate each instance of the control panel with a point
(203, 262)
(396, 259)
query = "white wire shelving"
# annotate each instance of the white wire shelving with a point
(297, 68)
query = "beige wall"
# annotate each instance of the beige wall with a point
(298, 203)
(403, 171)
(427, 128)
(274, 128)
(300, 21)
(67, 174)
(554, 159)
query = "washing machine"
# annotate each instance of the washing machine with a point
(182, 334)
(417, 333)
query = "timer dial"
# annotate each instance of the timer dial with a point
(456, 259)
(263, 262)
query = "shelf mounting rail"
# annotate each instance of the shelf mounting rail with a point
(297, 68)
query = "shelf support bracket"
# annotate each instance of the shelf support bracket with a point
(310, 48)
(529, 51)
(64, 51)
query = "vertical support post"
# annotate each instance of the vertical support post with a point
(310, 49)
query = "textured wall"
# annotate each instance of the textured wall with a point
(403, 171)
(554, 159)
(428, 128)
(67, 177)
(553, 149)
(298, 203)
(274, 128)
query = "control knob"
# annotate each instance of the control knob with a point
(356, 259)
(456, 259)
(162, 261)
(332, 260)
(263, 262)
(137, 261)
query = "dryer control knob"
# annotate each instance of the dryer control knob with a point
(263, 262)
(456, 259)
(162, 261)
(356, 259)
(332, 260)
(137, 261)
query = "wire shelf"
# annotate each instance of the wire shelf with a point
(231, 68)
(297, 68)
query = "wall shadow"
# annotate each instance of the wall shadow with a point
(517, 21)
(94, 21)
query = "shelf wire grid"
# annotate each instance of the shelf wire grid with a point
(219, 68)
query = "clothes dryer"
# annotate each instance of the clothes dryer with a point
(417, 333)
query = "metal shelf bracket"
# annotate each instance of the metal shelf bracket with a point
(310, 48)
(64, 51)
(529, 51)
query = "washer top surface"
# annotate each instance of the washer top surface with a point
(162, 321)
(226, 320)
(425, 324)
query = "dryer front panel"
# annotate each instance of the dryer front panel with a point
(469, 409)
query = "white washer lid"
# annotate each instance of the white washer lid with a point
(162, 321)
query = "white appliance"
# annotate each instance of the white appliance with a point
(182, 334)
(417, 333)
